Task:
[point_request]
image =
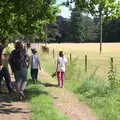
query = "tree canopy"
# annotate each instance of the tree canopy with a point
(83, 27)
(25, 16)
(110, 9)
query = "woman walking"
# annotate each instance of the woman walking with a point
(19, 65)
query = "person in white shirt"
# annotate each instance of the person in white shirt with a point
(60, 69)
(35, 65)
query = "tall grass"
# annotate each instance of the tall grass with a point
(98, 93)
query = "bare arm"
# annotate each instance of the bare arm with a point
(57, 65)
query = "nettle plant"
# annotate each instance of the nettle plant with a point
(112, 76)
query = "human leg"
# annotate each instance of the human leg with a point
(1, 78)
(7, 78)
(62, 79)
(33, 74)
(21, 82)
(36, 74)
(18, 80)
(24, 78)
(59, 78)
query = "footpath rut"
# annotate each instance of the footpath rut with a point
(67, 102)
(11, 110)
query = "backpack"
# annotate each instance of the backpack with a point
(18, 59)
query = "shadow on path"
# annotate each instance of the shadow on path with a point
(34, 90)
(10, 109)
(49, 85)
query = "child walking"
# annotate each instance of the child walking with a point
(60, 69)
(35, 65)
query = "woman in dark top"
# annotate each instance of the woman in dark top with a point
(19, 64)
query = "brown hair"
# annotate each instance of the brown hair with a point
(28, 45)
(61, 54)
(18, 44)
(34, 51)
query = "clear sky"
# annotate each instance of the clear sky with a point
(65, 12)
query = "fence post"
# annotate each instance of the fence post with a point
(70, 57)
(111, 63)
(53, 53)
(85, 63)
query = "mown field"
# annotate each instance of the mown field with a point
(99, 86)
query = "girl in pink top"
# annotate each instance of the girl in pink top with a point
(60, 69)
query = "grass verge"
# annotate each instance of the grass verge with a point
(95, 91)
(42, 104)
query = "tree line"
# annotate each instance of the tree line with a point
(91, 21)
(81, 28)
(38, 20)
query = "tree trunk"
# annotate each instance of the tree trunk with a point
(45, 35)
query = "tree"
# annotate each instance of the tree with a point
(64, 29)
(25, 16)
(53, 31)
(77, 26)
(83, 27)
(111, 31)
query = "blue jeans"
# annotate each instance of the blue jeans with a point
(21, 75)
(21, 78)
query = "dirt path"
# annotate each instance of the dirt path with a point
(67, 102)
(12, 110)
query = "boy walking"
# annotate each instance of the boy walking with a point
(35, 65)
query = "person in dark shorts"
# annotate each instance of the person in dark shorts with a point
(35, 65)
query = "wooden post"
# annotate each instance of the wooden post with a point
(70, 57)
(53, 53)
(101, 29)
(85, 63)
(111, 63)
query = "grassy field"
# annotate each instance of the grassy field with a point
(99, 86)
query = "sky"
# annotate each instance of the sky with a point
(65, 12)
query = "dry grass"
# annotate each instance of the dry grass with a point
(87, 47)
(79, 50)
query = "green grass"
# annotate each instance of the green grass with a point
(95, 91)
(42, 104)
(92, 87)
